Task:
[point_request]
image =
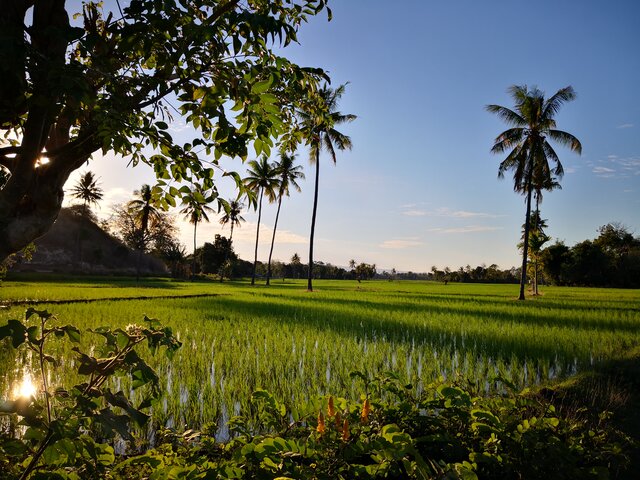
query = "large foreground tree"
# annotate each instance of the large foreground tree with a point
(319, 120)
(112, 81)
(532, 123)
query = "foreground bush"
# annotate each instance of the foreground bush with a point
(390, 432)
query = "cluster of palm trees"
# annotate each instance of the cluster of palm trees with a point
(533, 161)
(274, 181)
(318, 129)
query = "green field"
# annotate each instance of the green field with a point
(301, 345)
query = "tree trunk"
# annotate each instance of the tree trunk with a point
(525, 248)
(273, 238)
(193, 261)
(226, 259)
(313, 222)
(255, 255)
(29, 205)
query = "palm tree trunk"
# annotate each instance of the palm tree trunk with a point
(273, 237)
(226, 257)
(525, 248)
(193, 260)
(313, 221)
(138, 265)
(255, 255)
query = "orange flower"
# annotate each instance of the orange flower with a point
(320, 428)
(345, 430)
(331, 411)
(338, 421)
(366, 409)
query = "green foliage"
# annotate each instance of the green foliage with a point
(392, 431)
(212, 257)
(612, 260)
(61, 429)
(447, 432)
(113, 78)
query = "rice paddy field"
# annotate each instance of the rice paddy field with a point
(301, 345)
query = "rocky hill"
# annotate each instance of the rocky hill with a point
(75, 244)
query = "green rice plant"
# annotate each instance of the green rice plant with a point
(299, 346)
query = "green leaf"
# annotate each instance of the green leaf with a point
(263, 86)
(72, 332)
(16, 330)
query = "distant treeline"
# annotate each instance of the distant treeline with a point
(610, 260)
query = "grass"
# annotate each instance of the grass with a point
(300, 345)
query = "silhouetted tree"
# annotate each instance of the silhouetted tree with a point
(262, 178)
(532, 123)
(318, 125)
(288, 175)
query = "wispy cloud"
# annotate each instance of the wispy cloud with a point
(625, 125)
(467, 229)
(447, 213)
(401, 243)
(415, 213)
(617, 167)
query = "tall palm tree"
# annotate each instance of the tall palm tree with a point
(532, 122)
(88, 190)
(195, 210)
(262, 177)
(318, 127)
(143, 211)
(288, 174)
(232, 216)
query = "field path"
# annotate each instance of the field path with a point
(15, 303)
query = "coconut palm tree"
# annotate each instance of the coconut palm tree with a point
(143, 211)
(195, 210)
(88, 190)
(262, 178)
(288, 174)
(318, 127)
(532, 123)
(232, 216)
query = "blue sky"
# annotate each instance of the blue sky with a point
(420, 187)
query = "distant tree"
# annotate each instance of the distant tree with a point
(556, 260)
(88, 190)
(532, 123)
(144, 213)
(232, 211)
(365, 271)
(537, 239)
(288, 175)
(156, 238)
(296, 266)
(195, 209)
(212, 257)
(318, 127)
(262, 178)
(174, 255)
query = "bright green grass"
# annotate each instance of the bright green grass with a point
(299, 345)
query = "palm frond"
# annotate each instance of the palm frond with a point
(553, 104)
(566, 139)
(508, 139)
(551, 153)
(507, 115)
